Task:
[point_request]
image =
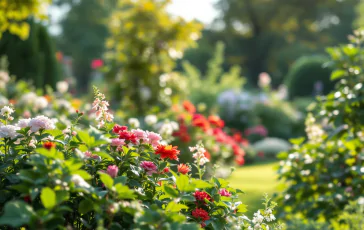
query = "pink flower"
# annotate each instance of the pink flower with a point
(117, 142)
(96, 63)
(140, 134)
(154, 138)
(149, 167)
(112, 170)
(224, 192)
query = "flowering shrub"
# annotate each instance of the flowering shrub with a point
(110, 177)
(326, 172)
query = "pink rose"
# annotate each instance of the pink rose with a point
(117, 142)
(224, 192)
(112, 170)
(149, 167)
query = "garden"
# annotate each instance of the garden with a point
(131, 117)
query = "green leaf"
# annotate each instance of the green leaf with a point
(174, 207)
(297, 141)
(85, 206)
(337, 74)
(62, 196)
(48, 198)
(170, 191)
(106, 180)
(16, 214)
(121, 179)
(201, 184)
(181, 182)
(83, 174)
(124, 192)
(242, 208)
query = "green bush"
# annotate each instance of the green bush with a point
(32, 59)
(278, 118)
(307, 71)
(324, 173)
(271, 146)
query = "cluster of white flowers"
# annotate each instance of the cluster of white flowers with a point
(32, 100)
(199, 154)
(79, 181)
(314, 131)
(166, 128)
(8, 131)
(62, 86)
(259, 218)
(150, 120)
(134, 122)
(41, 122)
(6, 112)
(102, 110)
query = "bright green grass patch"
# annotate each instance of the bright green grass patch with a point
(255, 181)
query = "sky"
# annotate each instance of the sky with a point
(202, 10)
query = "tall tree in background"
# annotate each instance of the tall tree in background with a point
(144, 43)
(31, 59)
(271, 33)
(83, 34)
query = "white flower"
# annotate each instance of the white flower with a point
(40, 103)
(8, 131)
(28, 98)
(175, 54)
(264, 80)
(62, 86)
(41, 122)
(361, 201)
(6, 111)
(134, 122)
(4, 76)
(79, 181)
(199, 155)
(23, 123)
(258, 218)
(270, 217)
(151, 120)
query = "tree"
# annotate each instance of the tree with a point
(83, 34)
(31, 59)
(263, 29)
(143, 44)
(14, 15)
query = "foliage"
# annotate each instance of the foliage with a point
(271, 146)
(32, 59)
(14, 15)
(144, 41)
(266, 35)
(83, 36)
(205, 89)
(325, 172)
(108, 177)
(305, 73)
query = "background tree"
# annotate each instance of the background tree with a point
(31, 59)
(144, 42)
(83, 34)
(14, 15)
(270, 35)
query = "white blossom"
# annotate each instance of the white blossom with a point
(151, 120)
(8, 131)
(41, 122)
(40, 103)
(6, 111)
(79, 181)
(134, 122)
(199, 154)
(62, 86)
(23, 123)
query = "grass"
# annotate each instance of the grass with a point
(255, 181)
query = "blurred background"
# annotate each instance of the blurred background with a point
(256, 64)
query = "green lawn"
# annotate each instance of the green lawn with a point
(255, 180)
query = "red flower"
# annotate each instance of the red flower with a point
(117, 129)
(183, 168)
(201, 196)
(200, 214)
(216, 121)
(128, 136)
(49, 145)
(199, 120)
(167, 151)
(96, 63)
(207, 155)
(239, 160)
(189, 107)
(166, 170)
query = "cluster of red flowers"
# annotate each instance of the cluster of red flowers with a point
(211, 125)
(125, 134)
(200, 214)
(201, 196)
(167, 151)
